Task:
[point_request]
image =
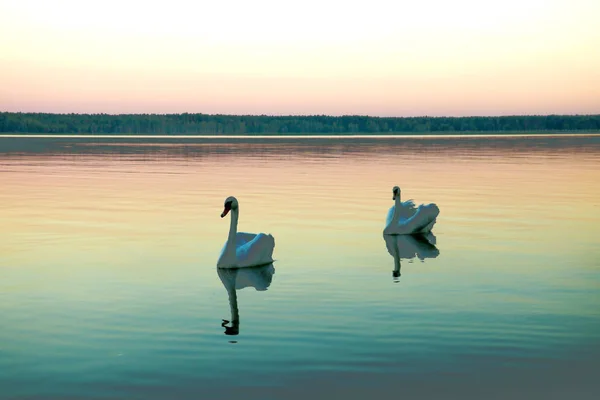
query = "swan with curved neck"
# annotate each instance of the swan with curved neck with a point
(243, 249)
(405, 219)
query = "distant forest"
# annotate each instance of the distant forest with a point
(189, 124)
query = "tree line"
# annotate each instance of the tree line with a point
(189, 124)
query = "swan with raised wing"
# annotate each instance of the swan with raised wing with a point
(404, 219)
(242, 250)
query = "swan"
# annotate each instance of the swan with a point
(404, 219)
(242, 250)
(239, 278)
(408, 247)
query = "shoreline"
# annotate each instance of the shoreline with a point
(307, 136)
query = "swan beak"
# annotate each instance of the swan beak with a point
(225, 211)
(394, 197)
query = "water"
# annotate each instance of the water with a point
(108, 285)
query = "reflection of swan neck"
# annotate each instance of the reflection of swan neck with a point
(397, 265)
(235, 316)
(233, 227)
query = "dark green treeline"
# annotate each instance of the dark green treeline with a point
(263, 124)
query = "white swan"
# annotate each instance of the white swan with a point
(242, 250)
(404, 219)
(408, 247)
(235, 279)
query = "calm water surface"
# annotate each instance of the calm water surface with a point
(108, 284)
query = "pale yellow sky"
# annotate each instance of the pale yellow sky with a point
(388, 58)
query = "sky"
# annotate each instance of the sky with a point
(376, 57)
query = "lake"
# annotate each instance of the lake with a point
(109, 287)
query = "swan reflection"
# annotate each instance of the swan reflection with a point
(408, 247)
(235, 279)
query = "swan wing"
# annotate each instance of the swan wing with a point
(257, 251)
(421, 221)
(427, 215)
(241, 238)
(407, 210)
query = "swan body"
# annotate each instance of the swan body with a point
(243, 250)
(404, 218)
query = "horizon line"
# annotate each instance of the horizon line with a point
(302, 115)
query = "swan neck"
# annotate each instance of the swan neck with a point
(233, 226)
(397, 206)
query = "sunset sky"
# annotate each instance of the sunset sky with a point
(386, 58)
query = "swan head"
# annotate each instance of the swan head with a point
(396, 192)
(231, 203)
